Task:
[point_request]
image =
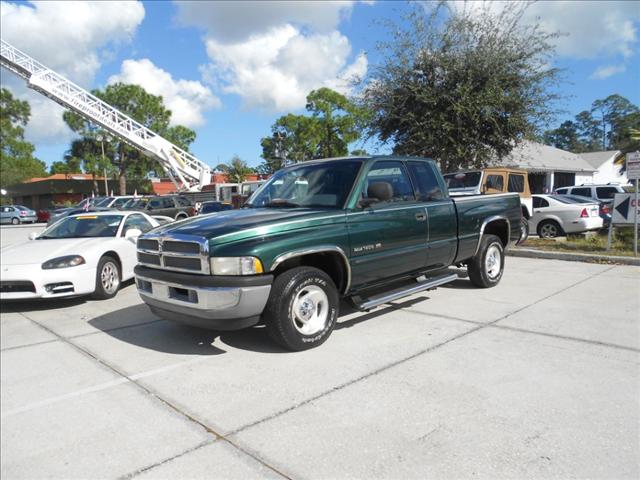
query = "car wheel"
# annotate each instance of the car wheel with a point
(486, 267)
(302, 309)
(524, 229)
(549, 229)
(107, 278)
(15, 221)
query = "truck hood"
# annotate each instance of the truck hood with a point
(215, 225)
(39, 251)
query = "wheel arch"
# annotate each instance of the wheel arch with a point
(330, 259)
(496, 225)
(116, 257)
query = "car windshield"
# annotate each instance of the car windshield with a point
(103, 202)
(462, 179)
(84, 226)
(324, 185)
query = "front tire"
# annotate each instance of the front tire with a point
(107, 278)
(487, 266)
(302, 309)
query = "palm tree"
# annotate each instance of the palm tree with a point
(236, 169)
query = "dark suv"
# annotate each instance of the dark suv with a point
(173, 206)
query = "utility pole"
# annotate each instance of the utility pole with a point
(102, 138)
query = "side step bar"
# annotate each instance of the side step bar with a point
(386, 297)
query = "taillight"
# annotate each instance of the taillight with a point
(191, 212)
(604, 209)
(22, 213)
(584, 213)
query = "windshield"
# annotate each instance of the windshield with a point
(103, 202)
(324, 185)
(462, 180)
(84, 226)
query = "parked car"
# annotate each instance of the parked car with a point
(491, 181)
(114, 202)
(90, 253)
(65, 212)
(600, 192)
(17, 214)
(318, 231)
(213, 207)
(554, 216)
(174, 206)
(43, 216)
(605, 208)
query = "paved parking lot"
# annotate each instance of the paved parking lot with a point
(538, 377)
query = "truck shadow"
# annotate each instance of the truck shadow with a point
(152, 333)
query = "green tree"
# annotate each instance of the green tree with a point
(461, 87)
(609, 112)
(143, 107)
(334, 123)
(17, 162)
(236, 169)
(359, 152)
(565, 137)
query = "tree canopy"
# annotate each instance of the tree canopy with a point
(608, 125)
(17, 162)
(334, 122)
(459, 85)
(236, 169)
(143, 107)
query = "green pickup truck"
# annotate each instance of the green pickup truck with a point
(367, 229)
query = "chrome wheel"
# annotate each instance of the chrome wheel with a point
(109, 278)
(493, 262)
(310, 310)
(549, 230)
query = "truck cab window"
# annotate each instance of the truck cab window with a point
(426, 181)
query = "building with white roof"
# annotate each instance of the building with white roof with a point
(607, 171)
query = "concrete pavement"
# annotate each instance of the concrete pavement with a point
(538, 377)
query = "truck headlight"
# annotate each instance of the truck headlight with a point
(63, 262)
(235, 265)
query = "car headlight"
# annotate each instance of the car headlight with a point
(235, 265)
(63, 262)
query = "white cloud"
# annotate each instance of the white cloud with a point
(187, 99)
(591, 29)
(233, 21)
(67, 37)
(272, 54)
(606, 71)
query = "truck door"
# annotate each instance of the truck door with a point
(441, 215)
(387, 237)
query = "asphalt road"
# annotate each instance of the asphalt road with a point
(536, 378)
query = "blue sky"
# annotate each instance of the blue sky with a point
(230, 69)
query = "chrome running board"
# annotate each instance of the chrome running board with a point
(387, 297)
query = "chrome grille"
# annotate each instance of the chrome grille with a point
(184, 253)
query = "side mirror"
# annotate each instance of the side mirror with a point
(132, 234)
(367, 202)
(33, 236)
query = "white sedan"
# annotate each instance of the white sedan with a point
(81, 254)
(555, 215)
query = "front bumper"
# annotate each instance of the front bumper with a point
(206, 301)
(21, 282)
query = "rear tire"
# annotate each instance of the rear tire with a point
(107, 278)
(15, 221)
(485, 269)
(549, 229)
(302, 309)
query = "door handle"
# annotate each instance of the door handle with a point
(421, 217)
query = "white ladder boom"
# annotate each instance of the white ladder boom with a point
(186, 171)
